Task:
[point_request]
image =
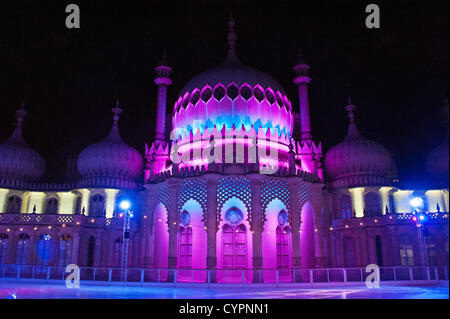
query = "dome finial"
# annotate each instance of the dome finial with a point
(164, 59)
(117, 111)
(350, 108)
(231, 37)
(353, 132)
(21, 114)
(300, 59)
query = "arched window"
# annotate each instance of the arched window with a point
(379, 250)
(234, 247)
(185, 250)
(91, 248)
(406, 250)
(345, 206)
(349, 252)
(23, 244)
(43, 249)
(431, 248)
(65, 250)
(372, 204)
(14, 203)
(52, 206)
(3, 247)
(234, 242)
(283, 251)
(97, 206)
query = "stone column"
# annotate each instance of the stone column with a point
(172, 221)
(211, 226)
(257, 227)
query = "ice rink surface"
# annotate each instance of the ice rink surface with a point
(30, 290)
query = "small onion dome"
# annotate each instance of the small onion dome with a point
(357, 161)
(19, 162)
(436, 164)
(111, 162)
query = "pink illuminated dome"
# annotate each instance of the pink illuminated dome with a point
(111, 162)
(358, 161)
(232, 95)
(19, 162)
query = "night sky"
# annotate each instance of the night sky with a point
(70, 78)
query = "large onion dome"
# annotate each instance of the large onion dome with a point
(111, 162)
(18, 162)
(232, 95)
(357, 161)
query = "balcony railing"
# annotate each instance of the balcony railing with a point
(243, 277)
(61, 219)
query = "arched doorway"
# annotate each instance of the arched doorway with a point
(160, 242)
(3, 247)
(192, 243)
(307, 242)
(65, 250)
(234, 244)
(276, 243)
(379, 251)
(91, 251)
(23, 245)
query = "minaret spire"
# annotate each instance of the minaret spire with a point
(353, 132)
(114, 134)
(162, 80)
(17, 136)
(231, 38)
(302, 79)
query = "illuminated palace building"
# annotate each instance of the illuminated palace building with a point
(237, 181)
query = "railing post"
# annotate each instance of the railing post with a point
(175, 276)
(209, 277)
(328, 275)
(95, 269)
(428, 274)
(344, 274)
(411, 277)
(159, 275)
(436, 273)
(243, 277)
(109, 275)
(33, 271)
(18, 272)
(311, 279)
(126, 274)
(48, 273)
(142, 275)
(395, 273)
